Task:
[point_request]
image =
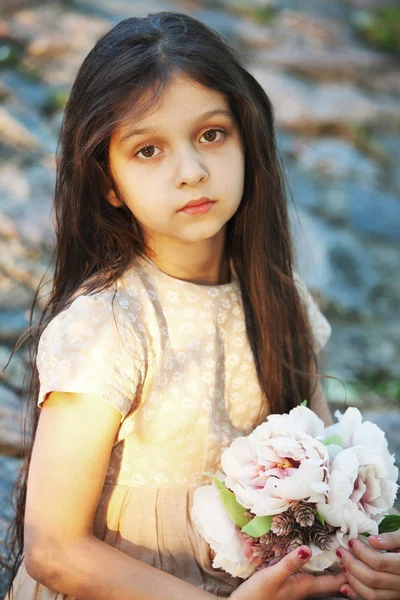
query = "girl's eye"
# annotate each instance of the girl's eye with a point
(213, 135)
(147, 152)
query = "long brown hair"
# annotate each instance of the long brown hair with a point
(95, 242)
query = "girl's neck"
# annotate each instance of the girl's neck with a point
(206, 264)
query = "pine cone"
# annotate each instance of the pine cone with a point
(267, 538)
(319, 536)
(303, 513)
(283, 523)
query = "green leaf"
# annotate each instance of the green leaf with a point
(304, 403)
(220, 484)
(258, 526)
(235, 510)
(389, 523)
(320, 517)
(337, 440)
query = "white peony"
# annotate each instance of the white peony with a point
(362, 477)
(279, 462)
(219, 531)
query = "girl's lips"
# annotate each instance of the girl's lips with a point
(198, 209)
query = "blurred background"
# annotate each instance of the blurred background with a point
(331, 68)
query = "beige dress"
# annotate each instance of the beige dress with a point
(173, 357)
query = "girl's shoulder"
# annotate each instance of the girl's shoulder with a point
(109, 317)
(93, 346)
(111, 306)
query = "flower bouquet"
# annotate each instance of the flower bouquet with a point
(293, 482)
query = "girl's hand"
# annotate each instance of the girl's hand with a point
(282, 581)
(372, 575)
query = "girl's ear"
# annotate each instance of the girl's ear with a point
(112, 199)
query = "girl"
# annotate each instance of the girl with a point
(174, 325)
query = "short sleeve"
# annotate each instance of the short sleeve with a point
(91, 348)
(320, 326)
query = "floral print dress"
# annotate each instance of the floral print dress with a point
(174, 359)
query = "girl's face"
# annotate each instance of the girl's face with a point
(188, 149)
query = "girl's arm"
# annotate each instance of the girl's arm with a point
(69, 462)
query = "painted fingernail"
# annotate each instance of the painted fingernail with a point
(379, 538)
(351, 543)
(339, 553)
(345, 592)
(344, 569)
(303, 554)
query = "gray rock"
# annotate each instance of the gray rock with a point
(385, 298)
(17, 371)
(375, 213)
(338, 158)
(9, 468)
(300, 105)
(11, 422)
(333, 264)
(304, 188)
(351, 276)
(366, 349)
(15, 133)
(331, 62)
(390, 143)
(25, 119)
(13, 322)
(14, 294)
(26, 198)
(29, 92)
(331, 10)
(254, 36)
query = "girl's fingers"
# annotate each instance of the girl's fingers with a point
(322, 585)
(293, 562)
(348, 591)
(388, 562)
(386, 541)
(371, 578)
(356, 590)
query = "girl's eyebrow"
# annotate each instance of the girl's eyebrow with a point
(142, 131)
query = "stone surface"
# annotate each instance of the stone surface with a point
(367, 349)
(26, 198)
(374, 213)
(12, 323)
(9, 468)
(301, 105)
(333, 264)
(10, 423)
(324, 63)
(13, 371)
(22, 127)
(25, 90)
(336, 157)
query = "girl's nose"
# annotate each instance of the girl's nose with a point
(190, 169)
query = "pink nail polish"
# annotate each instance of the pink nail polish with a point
(379, 538)
(345, 592)
(303, 554)
(339, 553)
(351, 543)
(344, 569)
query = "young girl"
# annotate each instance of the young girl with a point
(175, 322)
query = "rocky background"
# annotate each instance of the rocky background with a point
(332, 72)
